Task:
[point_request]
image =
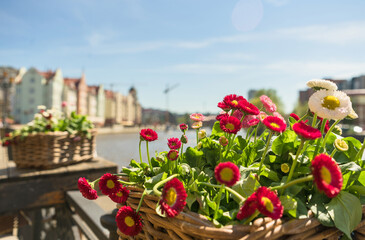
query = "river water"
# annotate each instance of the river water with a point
(122, 147)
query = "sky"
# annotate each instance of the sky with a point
(201, 50)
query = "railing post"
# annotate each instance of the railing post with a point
(108, 222)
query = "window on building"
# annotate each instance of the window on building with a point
(32, 80)
(31, 100)
(31, 90)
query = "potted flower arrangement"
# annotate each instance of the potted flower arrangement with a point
(52, 139)
(296, 180)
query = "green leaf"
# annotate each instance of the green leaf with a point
(290, 205)
(245, 187)
(135, 164)
(358, 189)
(190, 199)
(272, 175)
(318, 206)
(193, 156)
(351, 166)
(284, 143)
(346, 212)
(217, 131)
(150, 183)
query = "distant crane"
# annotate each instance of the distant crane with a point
(166, 91)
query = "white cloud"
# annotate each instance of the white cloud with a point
(335, 69)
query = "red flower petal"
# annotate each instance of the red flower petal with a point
(230, 124)
(305, 131)
(275, 123)
(173, 198)
(128, 221)
(248, 208)
(327, 175)
(120, 196)
(109, 184)
(227, 173)
(268, 203)
(174, 143)
(86, 190)
(148, 135)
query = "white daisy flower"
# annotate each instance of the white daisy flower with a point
(318, 84)
(330, 104)
(353, 114)
(41, 107)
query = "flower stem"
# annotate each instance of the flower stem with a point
(360, 153)
(140, 153)
(236, 194)
(314, 120)
(141, 200)
(296, 181)
(148, 157)
(305, 115)
(319, 139)
(127, 183)
(248, 130)
(252, 217)
(197, 136)
(265, 151)
(328, 133)
(218, 201)
(159, 184)
(230, 141)
(295, 161)
(333, 152)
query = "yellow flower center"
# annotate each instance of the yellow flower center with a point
(226, 174)
(326, 175)
(173, 155)
(331, 102)
(275, 125)
(284, 167)
(234, 102)
(268, 204)
(119, 194)
(341, 145)
(171, 196)
(110, 184)
(230, 126)
(129, 221)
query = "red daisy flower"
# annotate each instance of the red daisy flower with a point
(305, 131)
(248, 208)
(248, 108)
(327, 175)
(109, 184)
(197, 117)
(173, 198)
(293, 115)
(238, 114)
(268, 104)
(249, 121)
(224, 106)
(86, 190)
(128, 221)
(120, 196)
(6, 143)
(183, 127)
(148, 135)
(230, 124)
(227, 173)
(174, 143)
(172, 155)
(221, 116)
(268, 203)
(275, 123)
(232, 100)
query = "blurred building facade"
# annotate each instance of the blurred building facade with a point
(30, 88)
(354, 88)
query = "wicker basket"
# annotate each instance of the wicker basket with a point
(50, 150)
(190, 225)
